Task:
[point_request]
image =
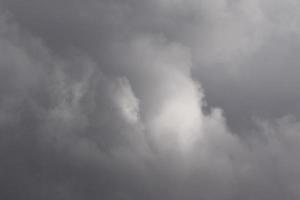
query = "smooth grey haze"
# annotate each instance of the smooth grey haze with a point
(149, 99)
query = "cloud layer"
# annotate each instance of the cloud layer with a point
(163, 99)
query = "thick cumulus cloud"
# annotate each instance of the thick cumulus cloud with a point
(103, 99)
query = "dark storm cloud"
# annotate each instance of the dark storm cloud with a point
(103, 99)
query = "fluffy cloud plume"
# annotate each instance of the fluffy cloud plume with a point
(103, 100)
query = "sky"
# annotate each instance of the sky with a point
(149, 99)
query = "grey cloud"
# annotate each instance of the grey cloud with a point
(232, 38)
(104, 100)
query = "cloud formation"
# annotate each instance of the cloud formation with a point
(104, 100)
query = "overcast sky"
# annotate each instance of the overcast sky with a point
(149, 99)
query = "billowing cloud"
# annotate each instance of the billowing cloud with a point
(137, 99)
